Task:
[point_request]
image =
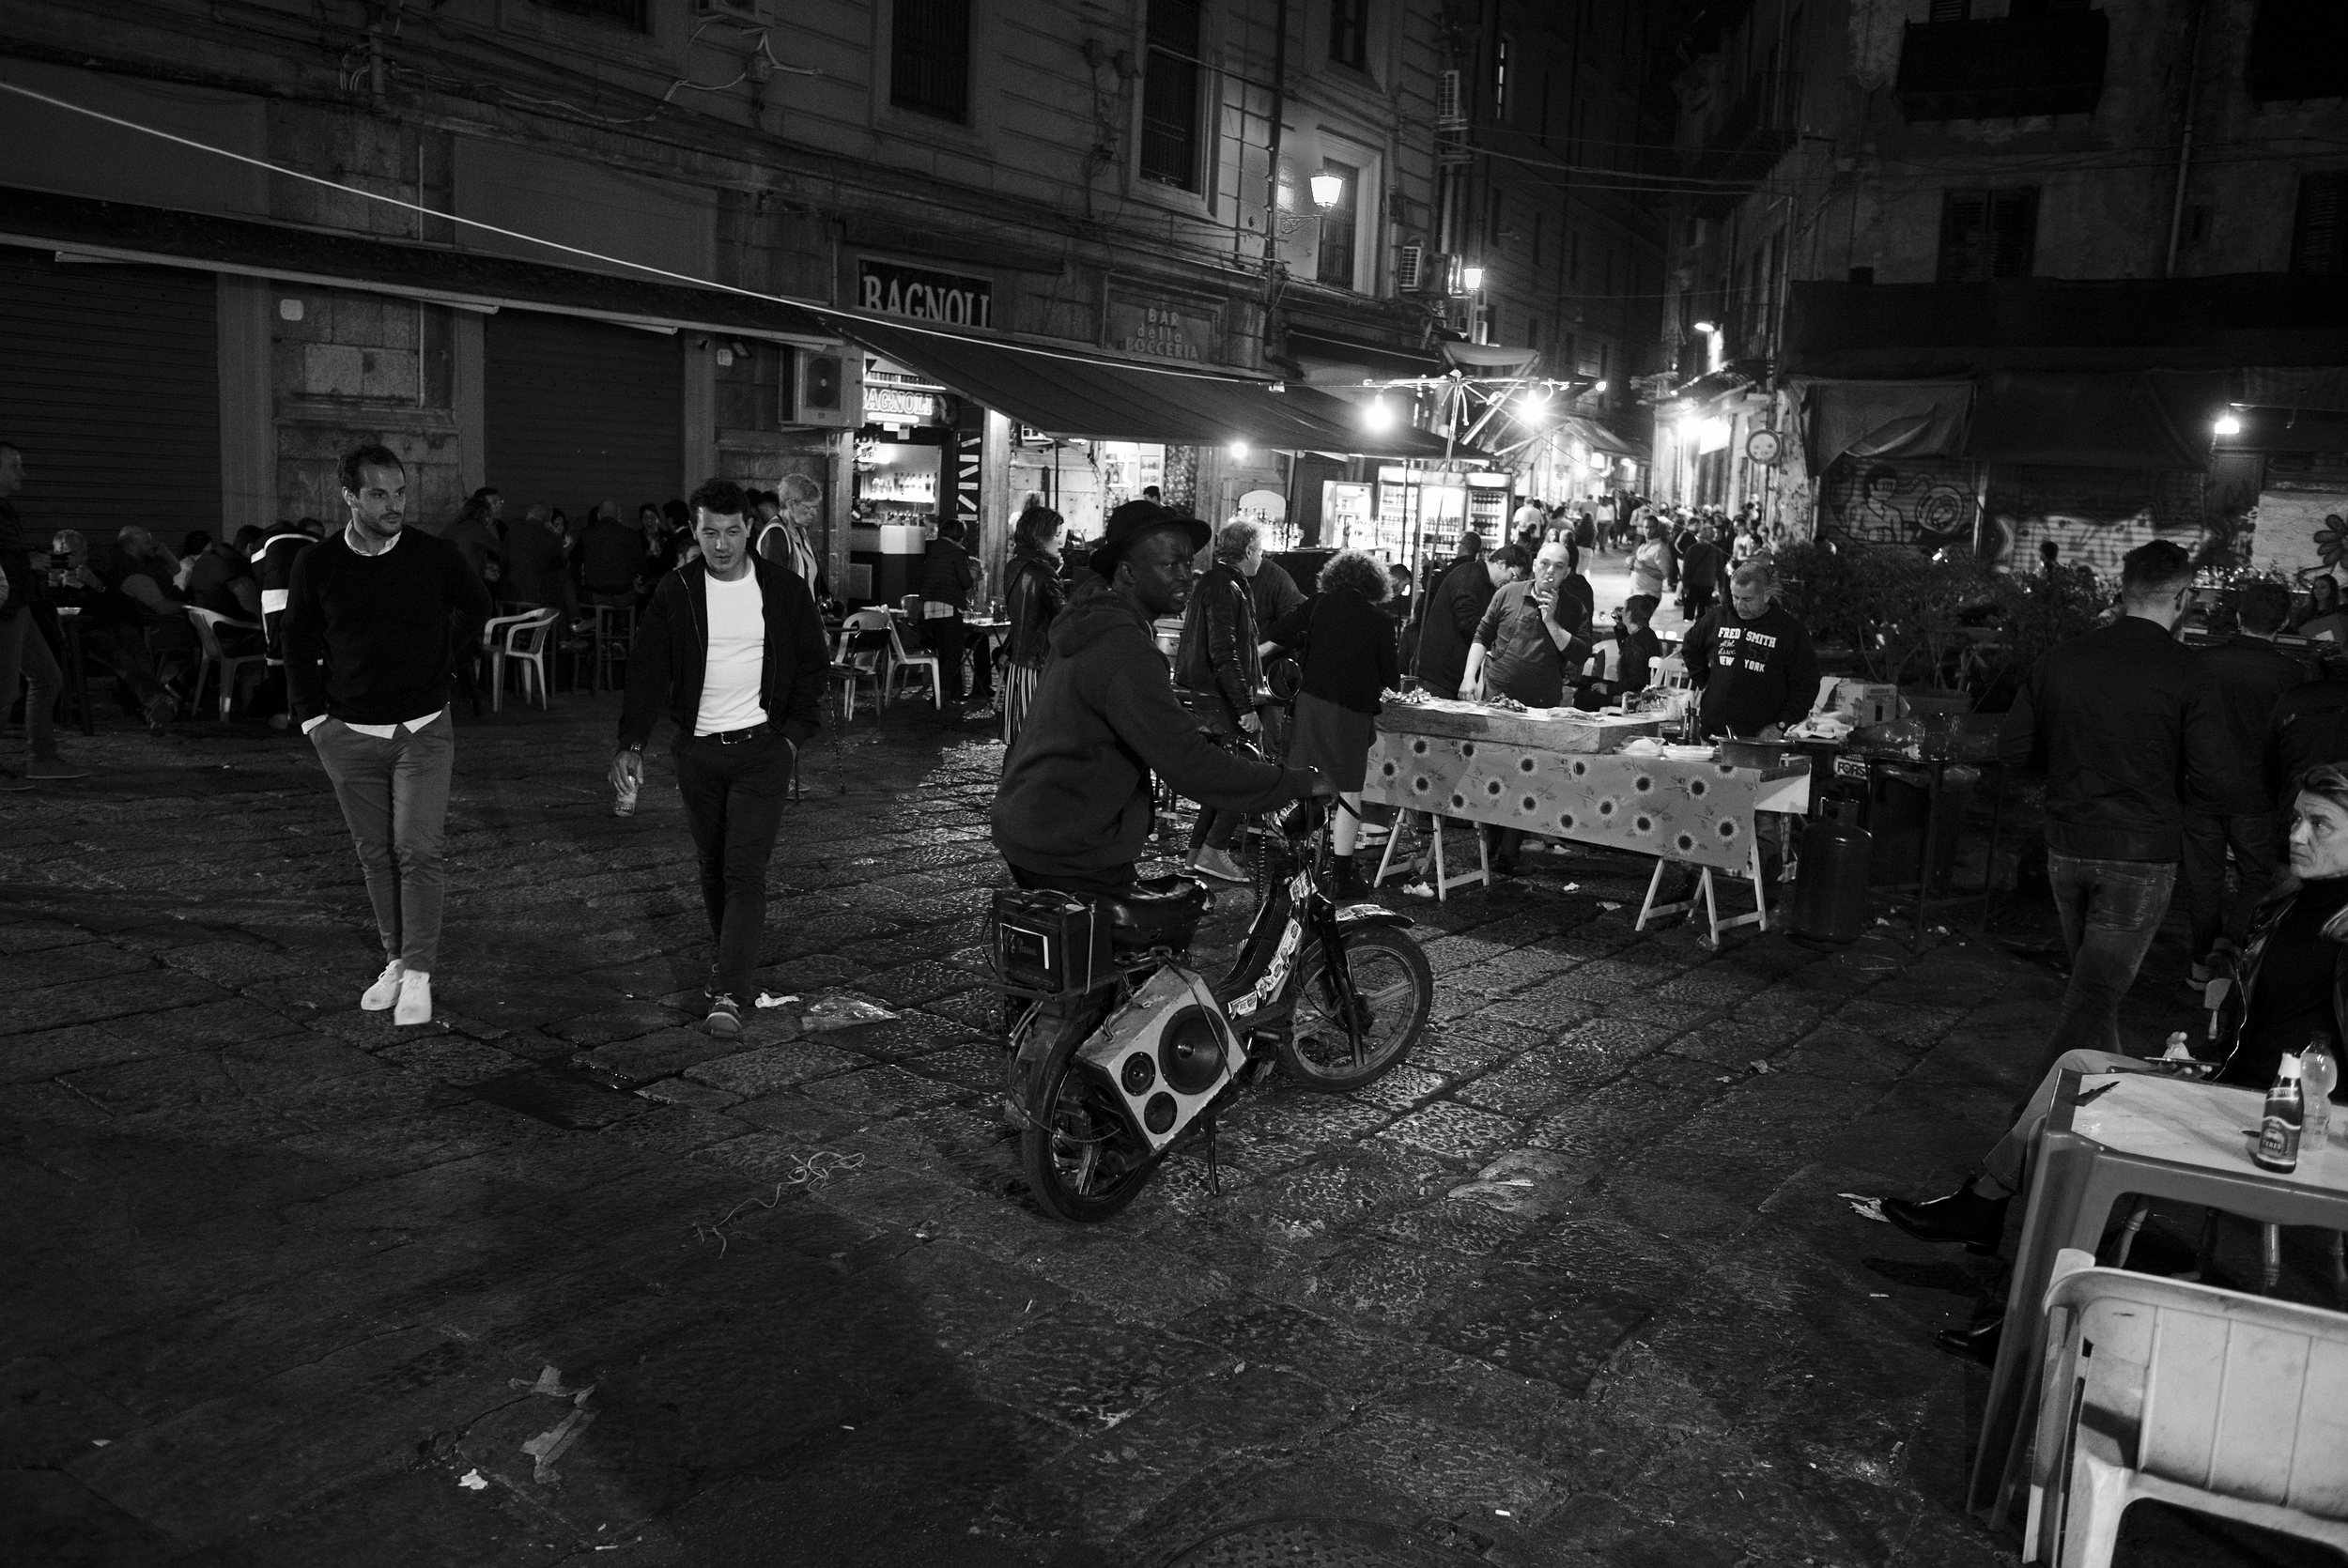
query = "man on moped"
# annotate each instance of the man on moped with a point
(1073, 808)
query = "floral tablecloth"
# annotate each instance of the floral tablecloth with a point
(1697, 811)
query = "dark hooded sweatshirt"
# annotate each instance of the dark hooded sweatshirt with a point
(1074, 798)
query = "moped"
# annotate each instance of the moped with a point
(1122, 1054)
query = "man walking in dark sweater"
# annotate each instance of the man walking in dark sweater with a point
(371, 618)
(732, 650)
(1753, 661)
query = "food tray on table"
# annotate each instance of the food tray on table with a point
(1539, 729)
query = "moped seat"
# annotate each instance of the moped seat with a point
(1156, 908)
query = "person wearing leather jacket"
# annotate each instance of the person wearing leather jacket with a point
(1219, 664)
(2290, 985)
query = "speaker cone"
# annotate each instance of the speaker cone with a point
(1191, 1053)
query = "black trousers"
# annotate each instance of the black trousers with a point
(733, 797)
(950, 639)
(1112, 879)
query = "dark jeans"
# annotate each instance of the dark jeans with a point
(2206, 841)
(394, 798)
(1699, 601)
(733, 797)
(1108, 880)
(950, 639)
(2110, 911)
(24, 655)
(1214, 829)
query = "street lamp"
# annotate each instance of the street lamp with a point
(2227, 424)
(1707, 328)
(1471, 277)
(1379, 417)
(1239, 452)
(1328, 190)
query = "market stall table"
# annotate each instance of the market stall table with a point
(1558, 774)
(2113, 1135)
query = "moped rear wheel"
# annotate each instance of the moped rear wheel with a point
(1081, 1160)
(1394, 989)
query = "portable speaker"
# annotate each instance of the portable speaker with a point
(1165, 1054)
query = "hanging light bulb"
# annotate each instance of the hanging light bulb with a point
(1379, 416)
(1239, 452)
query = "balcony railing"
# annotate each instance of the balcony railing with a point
(2001, 68)
(1739, 151)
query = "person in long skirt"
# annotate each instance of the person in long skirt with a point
(1033, 593)
(1348, 661)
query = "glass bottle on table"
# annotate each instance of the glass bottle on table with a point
(2280, 1127)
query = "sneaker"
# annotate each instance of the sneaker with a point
(44, 768)
(380, 996)
(1218, 864)
(415, 999)
(725, 1017)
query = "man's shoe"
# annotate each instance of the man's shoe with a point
(380, 996)
(159, 711)
(1977, 1342)
(1346, 878)
(1218, 864)
(415, 999)
(725, 1017)
(1963, 1215)
(47, 768)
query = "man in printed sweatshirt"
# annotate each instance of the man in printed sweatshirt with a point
(1072, 810)
(1753, 661)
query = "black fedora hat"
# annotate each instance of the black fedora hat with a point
(1131, 520)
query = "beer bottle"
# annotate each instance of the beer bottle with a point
(2278, 1131)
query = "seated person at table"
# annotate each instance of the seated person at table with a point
(1624, 662)
(2291, 983)
(1751, 660)
(112, 631)
(1073, 808)
(221, 581)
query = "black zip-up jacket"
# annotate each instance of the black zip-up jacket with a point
(2126, 724)
(2309, 727)
(1217, 651)
(2246, 1063)
(664, 667)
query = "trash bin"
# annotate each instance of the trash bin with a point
(1904, 822)
(1830, 891)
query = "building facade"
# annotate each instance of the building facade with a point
(582, 250)
(2008, 273)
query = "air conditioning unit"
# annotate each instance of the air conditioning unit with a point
(1410, 270)
(1450, 108)
(825, 387)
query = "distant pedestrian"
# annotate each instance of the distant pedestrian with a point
(2126, 724)
(949, 579)
(370, 621)
(788, 515)
(2252, 676)
(25, 653)
(1219, 663)
(1653, 570)
(1348, 661)
(730, 649)
(1033, 596)
(1701, 561)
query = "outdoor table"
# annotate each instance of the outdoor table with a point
(1541, 772)
(1863, 767)
(2153, 1137)
(75, 696)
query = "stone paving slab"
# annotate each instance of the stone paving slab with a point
(1574, 1286)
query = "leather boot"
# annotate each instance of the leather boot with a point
(1345, 877)
(1978, 1340)
(1963, 1215)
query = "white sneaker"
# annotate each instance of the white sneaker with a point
(415, 999)
(380, 996)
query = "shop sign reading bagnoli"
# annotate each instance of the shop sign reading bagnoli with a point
(922, 295)
(1162, 329)
(895, 405)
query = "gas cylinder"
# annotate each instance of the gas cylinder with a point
(1830, 892)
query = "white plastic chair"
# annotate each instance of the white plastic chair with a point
(899, 659)
(2205, 1399)
(1671, 672)
(851, 665)
(216, 663)
(522, 638)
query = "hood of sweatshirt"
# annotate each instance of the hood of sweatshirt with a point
(1092, 612)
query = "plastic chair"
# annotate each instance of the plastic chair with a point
(899, 659)
(522, 638)
(1671, 672)
(858, 657)
(209, 625)
(608, 640)
(2200, 1398)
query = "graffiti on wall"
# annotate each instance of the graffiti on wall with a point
(1925, 502)
(2090, 516)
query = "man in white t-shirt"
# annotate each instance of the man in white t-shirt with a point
(731, 649)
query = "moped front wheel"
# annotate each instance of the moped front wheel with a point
(1083, 1162)
(1393, 992)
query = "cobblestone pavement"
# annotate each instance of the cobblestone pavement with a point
(283, 1276)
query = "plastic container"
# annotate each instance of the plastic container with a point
(2319, 1075)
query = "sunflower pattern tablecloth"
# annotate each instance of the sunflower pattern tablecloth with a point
(1697, 811)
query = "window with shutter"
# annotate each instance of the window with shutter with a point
(1169, 96)
(1952, 11)
(2319, 237)
(1349, 32)
(1987, 234)
(1336, 228)
(929, 66)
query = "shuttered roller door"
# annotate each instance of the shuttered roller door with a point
(578, 410)
(110, 381)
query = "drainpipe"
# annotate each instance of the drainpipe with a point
(1271, 146)
(2185, 142)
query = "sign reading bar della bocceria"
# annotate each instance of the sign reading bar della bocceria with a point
(923, 295)
(1161, 328)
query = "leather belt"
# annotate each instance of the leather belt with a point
(736, 737)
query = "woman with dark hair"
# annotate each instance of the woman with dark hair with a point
(2324, 618)
(1033, 593)
(1349, 660)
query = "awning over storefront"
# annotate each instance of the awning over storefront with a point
(1598, 438)
(1068, 391)
(1311, 349)
(1488, 356)
(76, 226)
(1881, 418)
